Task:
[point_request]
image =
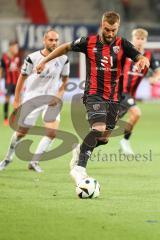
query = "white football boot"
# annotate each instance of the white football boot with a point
(75, 155)
(126, 147)
(78, 173)
(35, 167)
(3, 164)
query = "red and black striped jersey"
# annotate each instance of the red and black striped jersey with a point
(132, 78)
(104, 64)
(11, 68)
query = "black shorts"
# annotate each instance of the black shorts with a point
(10, 89)
(100, 110)
(127, 101)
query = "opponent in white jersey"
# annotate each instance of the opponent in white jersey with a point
(48, 82)
(36, 91)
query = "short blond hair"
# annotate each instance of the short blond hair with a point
(111, 17)
(140, 32)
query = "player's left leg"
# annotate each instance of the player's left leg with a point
(134, 115)
(51, 128)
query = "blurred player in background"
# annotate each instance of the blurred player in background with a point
(47, 83)
(10, 70)
(105, 55)
(131, 81)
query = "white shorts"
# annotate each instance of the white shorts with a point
(48, 113)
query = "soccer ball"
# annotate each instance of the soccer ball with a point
(88, 188)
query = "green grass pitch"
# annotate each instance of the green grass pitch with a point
(45, 207)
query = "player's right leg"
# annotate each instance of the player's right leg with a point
(15, 139)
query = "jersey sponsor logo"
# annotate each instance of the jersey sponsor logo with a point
(135, 74)
(46, 75)
(107, 69)
(116, 49)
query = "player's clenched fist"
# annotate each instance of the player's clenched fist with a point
(142, 63)
(16, 104)
(40, 67)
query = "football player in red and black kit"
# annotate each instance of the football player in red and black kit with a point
(9, 69)
(105, 57)
(131, 81)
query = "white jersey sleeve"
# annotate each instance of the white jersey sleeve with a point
(66, 68)
(27, 66)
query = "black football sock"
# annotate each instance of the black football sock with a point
(5, 110)
(87, 147)
(127, 134)
(128, 131)
(100, 142)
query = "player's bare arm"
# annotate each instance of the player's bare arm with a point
(60, 92)
(18, 90)
(142, 62)
(59, 51)
(62, 87)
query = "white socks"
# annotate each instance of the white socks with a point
(78, 173)
(42, 147)
(14, 141)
